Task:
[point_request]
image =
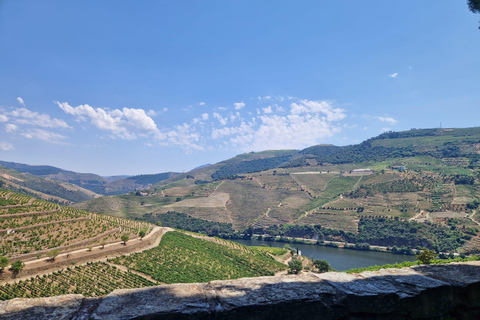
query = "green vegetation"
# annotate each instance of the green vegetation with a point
(426, 256)
(395, 232)
(322, 266)
(182, 258)
(406, 185)
(406, 264)
(275, 251)
(90, 280)
(295, 266)
(40, 226)
(53, 254)
(146, 179)
(4, 261)
(125, 238)
(256, 165)
(17, 266)
(186, 222)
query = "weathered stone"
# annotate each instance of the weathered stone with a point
(59, 308)
(422, 292)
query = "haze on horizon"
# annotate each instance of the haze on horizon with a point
(122, 87)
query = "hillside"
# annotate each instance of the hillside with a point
(425, 176)
(58, 250)
(43, 188)
(96, 184)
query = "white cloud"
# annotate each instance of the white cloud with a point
(127, 123)
(20, 100)
(239, 105)
(44, 135)
(3, 118)
(6, 146)
(267, 110)
(221, 119)
(243, 129)
(152, 113)
(201, 103)
(306, 124)
(184, 136)
(25, 116)
(204, 116)
(393, 75)
(10, 128)
(388, 120)
(410, 67)
(131, 123)
(318, 107)
(264, 98)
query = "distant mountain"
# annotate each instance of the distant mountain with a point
(115, 178)
(307, 186)
(44, 188)
(96, 184)
(202, 166)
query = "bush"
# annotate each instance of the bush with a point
(295, 266)
(322, 265)
(125, 238)
(17, 266)
(3, 263)
(426, 256)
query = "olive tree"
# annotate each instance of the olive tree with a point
(3, 263)
(295, 266)
(125, 238)
(17, 266)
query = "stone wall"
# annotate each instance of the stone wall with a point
(450, 291)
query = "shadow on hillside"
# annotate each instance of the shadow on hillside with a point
(431, 292)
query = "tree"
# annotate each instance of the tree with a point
(322, 265)
(295, 266)
(142, 234)
(3, 263)
(426, 256)
(53, 254)
(474, 6)
(17, 266)
(125, 238)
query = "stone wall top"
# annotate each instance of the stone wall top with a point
(420, 292)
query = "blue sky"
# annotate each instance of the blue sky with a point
(131, 87)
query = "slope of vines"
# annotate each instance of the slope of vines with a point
(182, 258)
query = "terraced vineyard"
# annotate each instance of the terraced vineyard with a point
(90, 280)
(182, 258)
(29, 227)
(44, 236)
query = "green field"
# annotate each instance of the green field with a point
(90, 280)
(182, 258)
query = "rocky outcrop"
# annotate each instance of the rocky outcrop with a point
(422, 292)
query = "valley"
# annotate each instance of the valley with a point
(397, 193)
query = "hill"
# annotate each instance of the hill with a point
(96, 184)
(43, 188)
(58, 250)
(426, 176)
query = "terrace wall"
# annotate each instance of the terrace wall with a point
(421, 292)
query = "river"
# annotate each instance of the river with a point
(339, 259)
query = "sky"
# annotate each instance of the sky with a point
(137, 87)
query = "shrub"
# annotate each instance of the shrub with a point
(426, 256)
(295, 266)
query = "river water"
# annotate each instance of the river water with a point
(339, 259)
